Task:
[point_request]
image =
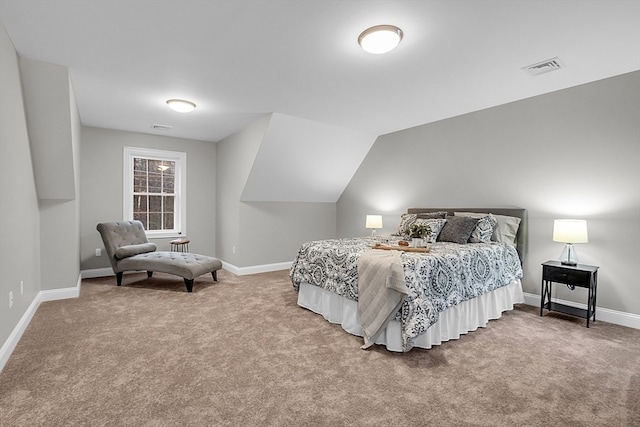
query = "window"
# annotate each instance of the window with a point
(155, 190)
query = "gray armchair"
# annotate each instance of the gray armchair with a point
(129, 249)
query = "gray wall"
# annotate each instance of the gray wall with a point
(235, 155)
(101, 175)
(272, 232)
(19, 214)
(54, 135)
(261, 232)
(571, 153)
(47, 92)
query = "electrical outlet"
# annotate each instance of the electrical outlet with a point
(10, 299)
(98, 252)
(234, 249)
(21, 287)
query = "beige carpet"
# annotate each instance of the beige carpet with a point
(241, 352)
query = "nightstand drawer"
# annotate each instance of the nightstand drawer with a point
(572, 277)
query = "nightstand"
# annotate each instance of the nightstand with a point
(583, 276)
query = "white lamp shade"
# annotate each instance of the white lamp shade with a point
(380, 39)
(570, 231)
(373, 221)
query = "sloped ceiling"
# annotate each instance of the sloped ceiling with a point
(301, 160)
(239, 60)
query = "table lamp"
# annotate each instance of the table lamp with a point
(570, 231)
(373, 222)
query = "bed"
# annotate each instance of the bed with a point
(454, 288)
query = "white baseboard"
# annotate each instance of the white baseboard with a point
(42, 296)
(11, 342)
(62, 293)
(255, 269)
(606, 315)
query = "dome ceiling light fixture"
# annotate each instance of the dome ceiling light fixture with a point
(380, 39)
(181, 105)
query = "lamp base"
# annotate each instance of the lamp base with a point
(569, 256)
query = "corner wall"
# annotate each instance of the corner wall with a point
(19, 213)
(260, 233)
(570, 153)
(54, 135)
(101, 175)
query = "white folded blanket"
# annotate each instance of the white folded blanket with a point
(381, 291)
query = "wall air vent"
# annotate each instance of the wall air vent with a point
(161, 127)
(544, 66)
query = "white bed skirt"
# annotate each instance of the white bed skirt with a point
(453, 322)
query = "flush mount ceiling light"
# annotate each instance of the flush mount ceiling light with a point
(380, 39)
(181, 105)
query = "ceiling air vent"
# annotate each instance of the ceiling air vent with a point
(161, 127)
(544, 66)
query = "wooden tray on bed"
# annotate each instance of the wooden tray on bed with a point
(398, 248)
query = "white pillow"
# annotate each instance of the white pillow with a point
(506, 229)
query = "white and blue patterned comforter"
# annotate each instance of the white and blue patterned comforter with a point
(447, 275)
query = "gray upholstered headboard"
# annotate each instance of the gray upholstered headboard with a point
(522, 237)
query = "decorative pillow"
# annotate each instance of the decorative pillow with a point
(435, 225)
(457, 229)
(484, 229)
(406, 221)
(506, 229)
(430, 215)
(131, 250)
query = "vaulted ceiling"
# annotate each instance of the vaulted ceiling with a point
(239, 60)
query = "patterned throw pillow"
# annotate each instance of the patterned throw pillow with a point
(485, 227)
(406, 221)
(484, 230)
(458, 229)
(435, 225)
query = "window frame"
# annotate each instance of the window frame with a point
(180, 188)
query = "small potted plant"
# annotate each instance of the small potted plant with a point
(418, 234)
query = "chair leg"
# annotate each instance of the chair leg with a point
(119, 278)
(149, 273)
(214, 273)
(189, 284)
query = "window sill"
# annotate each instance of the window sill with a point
(164, 235)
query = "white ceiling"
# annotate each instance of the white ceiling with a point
(239, 60)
